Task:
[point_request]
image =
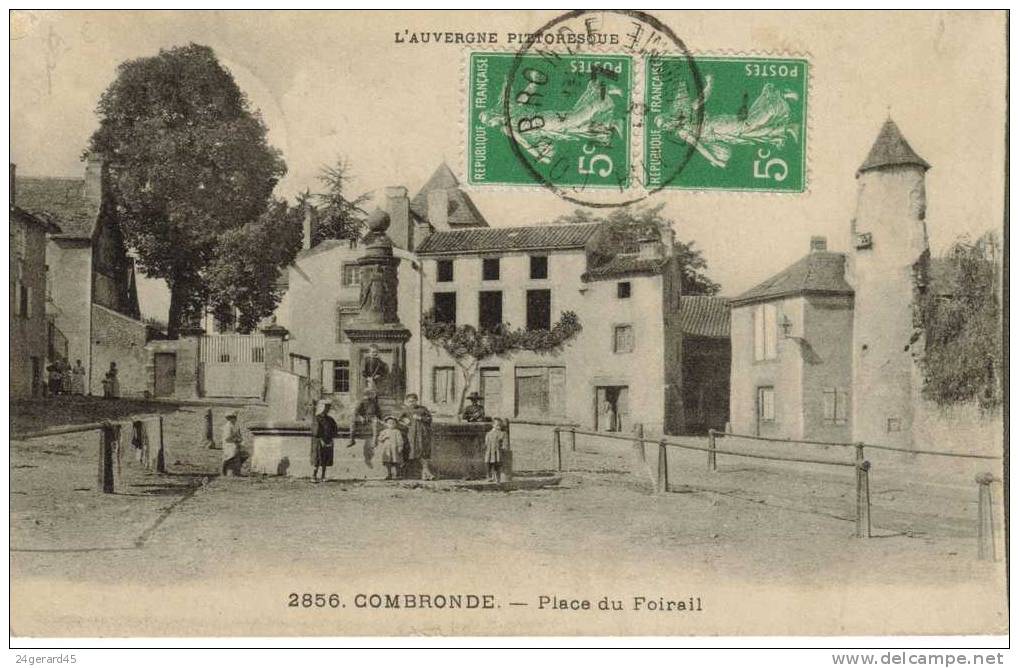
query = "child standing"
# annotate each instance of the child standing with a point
(495, 443)
(391, 444)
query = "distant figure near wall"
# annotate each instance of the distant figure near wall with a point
(234, 454)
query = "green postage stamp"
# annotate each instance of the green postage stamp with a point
(699, 123)
(565, 122)
(745, 130)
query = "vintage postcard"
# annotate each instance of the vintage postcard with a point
(507, 323)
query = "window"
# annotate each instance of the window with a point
(836, 406)
(443, 385)
(540, 391)
(341, 376)
(765, 332)
(344, 314)
(444, 307)
(894, 424)
(539, 309)
(335, 376)
(539, 266)
(622, 339)
(623, 290)
(490, 269)
(444, 270)
(351, 275)
(24, 300)
(766, 404)
(489, 310)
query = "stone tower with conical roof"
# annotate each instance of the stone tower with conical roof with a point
(888, 249)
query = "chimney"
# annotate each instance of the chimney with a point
(398, 208)
(438, 208)
(650, 247)
(422, 230)
(818, 244)
(306, 239)
(95, 176)
(14, 169)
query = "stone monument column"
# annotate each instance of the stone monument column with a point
(378, 339)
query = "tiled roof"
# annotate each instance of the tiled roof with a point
(61, 201)
(819, 272)
(704, 315)
(891, 148)
(627, 264)
(507, 239)
(461, 212)
(29, 219)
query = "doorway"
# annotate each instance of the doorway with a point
(491, 391)
(166, 374)
(612, 408)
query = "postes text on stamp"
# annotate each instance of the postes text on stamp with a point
(568, 116)
(752, 133)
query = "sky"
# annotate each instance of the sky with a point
(334, 84)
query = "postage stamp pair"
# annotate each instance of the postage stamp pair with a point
(637, 124)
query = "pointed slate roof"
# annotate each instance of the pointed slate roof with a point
(891, 148)
(819, 272)
(462, 211)
(61, 201)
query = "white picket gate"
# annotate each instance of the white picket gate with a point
(233, 365)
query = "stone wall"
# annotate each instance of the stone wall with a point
(186, 385)
(118, 338)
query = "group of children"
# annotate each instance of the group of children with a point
(401, 441)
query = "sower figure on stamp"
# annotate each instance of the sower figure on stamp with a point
(322, 440)
(418, 421)
(234, 454)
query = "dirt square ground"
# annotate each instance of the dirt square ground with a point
(756, 547)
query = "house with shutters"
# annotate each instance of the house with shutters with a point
(828, 349)
(91, 300)
(625, 367)
(29, 353)
(323, 284)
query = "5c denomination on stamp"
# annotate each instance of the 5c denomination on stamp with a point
(752, 130)
(569, 115)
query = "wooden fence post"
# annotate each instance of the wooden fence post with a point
(712, 461)
(210, 442)
(662, 485)
(987, 547)
(161, 457)
(557, 450)
(863, 499)
(573, 439)
(859, 453)
(638, 443)
(107, 436)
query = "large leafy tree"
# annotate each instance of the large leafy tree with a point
(191, 168)
(239, 276)
(625, 226)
